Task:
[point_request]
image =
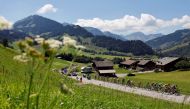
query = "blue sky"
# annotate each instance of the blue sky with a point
(73, 10)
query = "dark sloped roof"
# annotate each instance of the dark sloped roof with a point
(144, 62)
(128, 62)
(103, 63)
(166, 60)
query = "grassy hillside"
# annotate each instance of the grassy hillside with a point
(14, 81)
(169, 40)
(181, 78)
(73, 51)
(174, 44)
(178, 50)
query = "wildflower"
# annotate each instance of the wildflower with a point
(33, 52)
(50, 52)
(22, 45)
(65, 90)
(67, 41)
(29, 41)
(39, 40)
(54, 43)
(21, 58)
(45, 45)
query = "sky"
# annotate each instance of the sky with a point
(117, 16)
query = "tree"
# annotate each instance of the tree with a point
(5, 43)
(184, 64)
(117, 60)
(83, 59)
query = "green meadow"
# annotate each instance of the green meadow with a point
(14, 84)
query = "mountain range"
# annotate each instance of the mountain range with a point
(97, 32)
(142, 36)
(133, 36)
(47, 28)
(38, 25)
(173, 44)
(12, 35)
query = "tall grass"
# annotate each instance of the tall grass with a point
(14, 84)
(36, 60)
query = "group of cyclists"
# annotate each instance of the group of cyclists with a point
(160, 87)
(154, 86)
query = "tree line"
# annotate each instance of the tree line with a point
(136, 47)
(86, 59)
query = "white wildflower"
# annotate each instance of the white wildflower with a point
(68, 41)
(54, 43)
(21, 58)
(39, 40)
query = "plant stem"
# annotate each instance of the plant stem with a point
(31, 73)
(43, 83)
(29, 90)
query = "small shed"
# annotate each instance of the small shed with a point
(104, 68)
(167, 63)
(146, 65)
(129, 64)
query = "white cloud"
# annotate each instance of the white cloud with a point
(145, 23)
(47, 9)
(4, 23)
(187, 25)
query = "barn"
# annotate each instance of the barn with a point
(167, 63)
(129, 64)
(104, 68)
(146, 65)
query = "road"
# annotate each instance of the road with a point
(178, 99)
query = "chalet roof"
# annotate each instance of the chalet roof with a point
(104, 63)
(144, 62)
(128, 62)
(166, 60)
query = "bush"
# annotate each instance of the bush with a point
(68, 57)
(184, 64)
(98, 59)
(83, 59)
(117, 60)
(157, 70)
(131, 74)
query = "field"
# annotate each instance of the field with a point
(14, 81)
(181, 78)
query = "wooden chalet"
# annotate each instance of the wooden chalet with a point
(167, 64)
(129, 64)
(146, 65)
(104, 68)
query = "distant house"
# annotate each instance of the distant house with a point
(129, 64)
(167, 63)
(146, 65)
(104, 68)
